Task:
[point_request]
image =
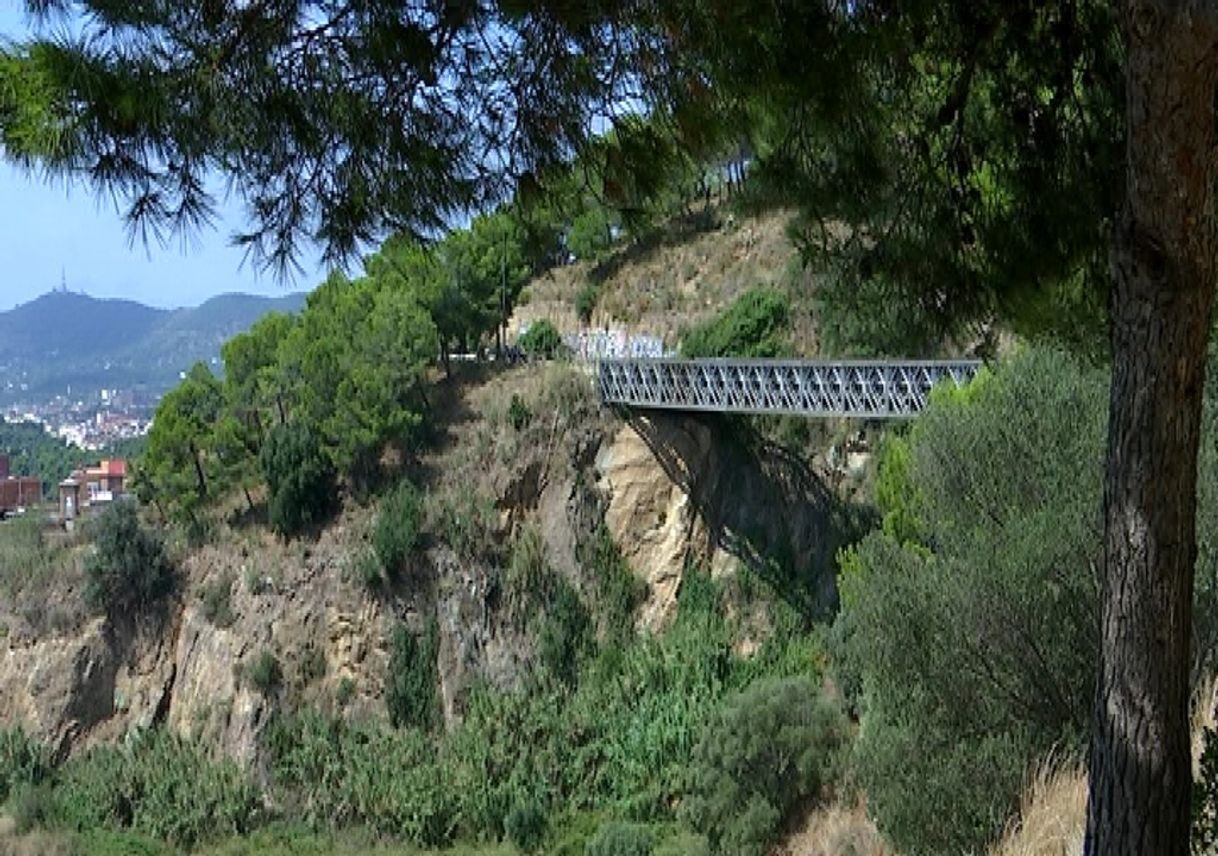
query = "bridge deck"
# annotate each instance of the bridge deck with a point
(870, 389)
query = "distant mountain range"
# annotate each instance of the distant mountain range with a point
(64, 340)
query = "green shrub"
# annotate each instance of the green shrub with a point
(23, 762)
(368, 570)
(585, 302)
(529, 581)
(302, 480)
(410, 690)
(768, 751)
(755, 325)
(519, 414)
(31, 807)
(344, 693)
(265, 674)
(128, 570)
(525, 825)
(312, 664)
(341, 776)
(968, 623)
(619, 593)
(564, 635)
(542, 339)
(683, 844)
(621, 839)
(465, 521)
(157, 786)
(216, 598)
(397, 527)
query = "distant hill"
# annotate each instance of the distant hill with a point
(64, 339)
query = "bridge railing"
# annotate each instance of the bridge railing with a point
(870, 389)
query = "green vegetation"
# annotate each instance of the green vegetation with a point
(410, 686)
(542, 339)
(216, 599)
(23, 762)
(398, 520)
(621, 839)
(754, 326)
(157, 786)
(304, 491)
(30, 555)
(264, 673)
(34, 452)
(585, 302)
(968, 629)
(128, 570)
(769, 750)
(519, 415)
(176, 469)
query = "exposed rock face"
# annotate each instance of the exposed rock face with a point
(670, 490)
(652, 518)
(60, 688)
(681, 490)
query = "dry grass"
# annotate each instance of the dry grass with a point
(1054, 813)
(1203, 718)
(836, 830)
(664, 289)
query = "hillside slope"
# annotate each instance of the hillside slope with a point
(683, 276)
(63, 339)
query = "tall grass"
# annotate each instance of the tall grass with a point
(30, 555)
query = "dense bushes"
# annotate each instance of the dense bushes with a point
(410, 686)
(128, 570)
(621, 839)
(755, 325)
(301, 478)
(969, 625)
(586, 299)
(334, 776)
(542, 339)
(23, 762)
(766, 752)
(397, 527)
(157, 786)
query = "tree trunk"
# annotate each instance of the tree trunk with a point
(1163, 290)
(200, 478)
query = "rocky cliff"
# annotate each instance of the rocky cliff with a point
(670, 491)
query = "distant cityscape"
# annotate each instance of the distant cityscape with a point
(93, 421)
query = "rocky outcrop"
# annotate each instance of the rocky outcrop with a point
(682, 489)
(652, 519)
(671, 491)
(60, 688)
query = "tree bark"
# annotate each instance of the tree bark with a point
(1162, 296)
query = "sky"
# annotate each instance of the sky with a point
(52, 233)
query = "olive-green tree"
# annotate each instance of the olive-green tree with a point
(179, 463)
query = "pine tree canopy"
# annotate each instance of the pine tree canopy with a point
(332, 121)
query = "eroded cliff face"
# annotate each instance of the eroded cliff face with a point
(670, 490)
(683, 490)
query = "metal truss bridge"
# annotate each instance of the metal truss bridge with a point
(867, 389)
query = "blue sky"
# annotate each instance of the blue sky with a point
(52, 230)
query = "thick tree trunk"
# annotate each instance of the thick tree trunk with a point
(1163, 290)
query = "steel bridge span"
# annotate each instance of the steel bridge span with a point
(867, 389)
